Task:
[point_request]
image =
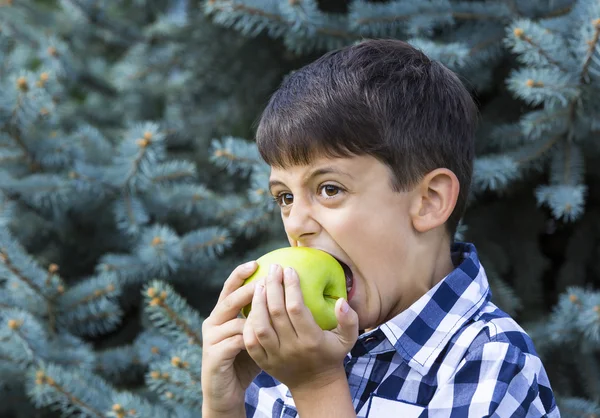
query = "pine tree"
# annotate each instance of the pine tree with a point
(130, 186)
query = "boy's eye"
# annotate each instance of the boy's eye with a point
(327, 191)
(284, 199)
(330, 190)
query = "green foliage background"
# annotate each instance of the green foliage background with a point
(130, 186)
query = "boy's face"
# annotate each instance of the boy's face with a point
(346, 207)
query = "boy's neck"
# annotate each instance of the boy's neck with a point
(427, 276)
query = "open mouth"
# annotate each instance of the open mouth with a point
(349, 276)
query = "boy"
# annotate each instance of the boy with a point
(371, 149)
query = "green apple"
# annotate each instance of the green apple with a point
(322, 280)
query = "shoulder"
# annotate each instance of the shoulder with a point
(494, 351)
(492, 342)
(493, 325)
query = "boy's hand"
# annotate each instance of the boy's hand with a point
(283, 338)
(227, 370)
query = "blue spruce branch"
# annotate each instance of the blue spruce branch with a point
(171, 315)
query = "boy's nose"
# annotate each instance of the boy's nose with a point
(300, 224)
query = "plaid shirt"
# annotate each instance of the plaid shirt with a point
(453, 353)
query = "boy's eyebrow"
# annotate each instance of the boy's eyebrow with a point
(313, 174)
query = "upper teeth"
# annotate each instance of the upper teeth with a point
(348, 279)
(348, 274)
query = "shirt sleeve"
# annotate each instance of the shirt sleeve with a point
(495, 380)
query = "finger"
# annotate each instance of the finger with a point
(260, 320)
(231, 305)
(251, 343)
(300, 316)
(237, 278)
(227, 349)
(347, 329)
(218, 333)
(276, 303)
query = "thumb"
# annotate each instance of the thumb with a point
(347, 329)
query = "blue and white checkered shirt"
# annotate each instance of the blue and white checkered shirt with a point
(453, 353)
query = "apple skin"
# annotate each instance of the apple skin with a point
(322, 280)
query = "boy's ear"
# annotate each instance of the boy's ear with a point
(434, 199)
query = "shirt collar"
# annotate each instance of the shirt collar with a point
(422, 331)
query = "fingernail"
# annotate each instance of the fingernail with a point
(259, 288)
(287, 272)
(248, 265)
(344, 308)
(273, 269)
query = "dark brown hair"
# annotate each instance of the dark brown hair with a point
(379, 97)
